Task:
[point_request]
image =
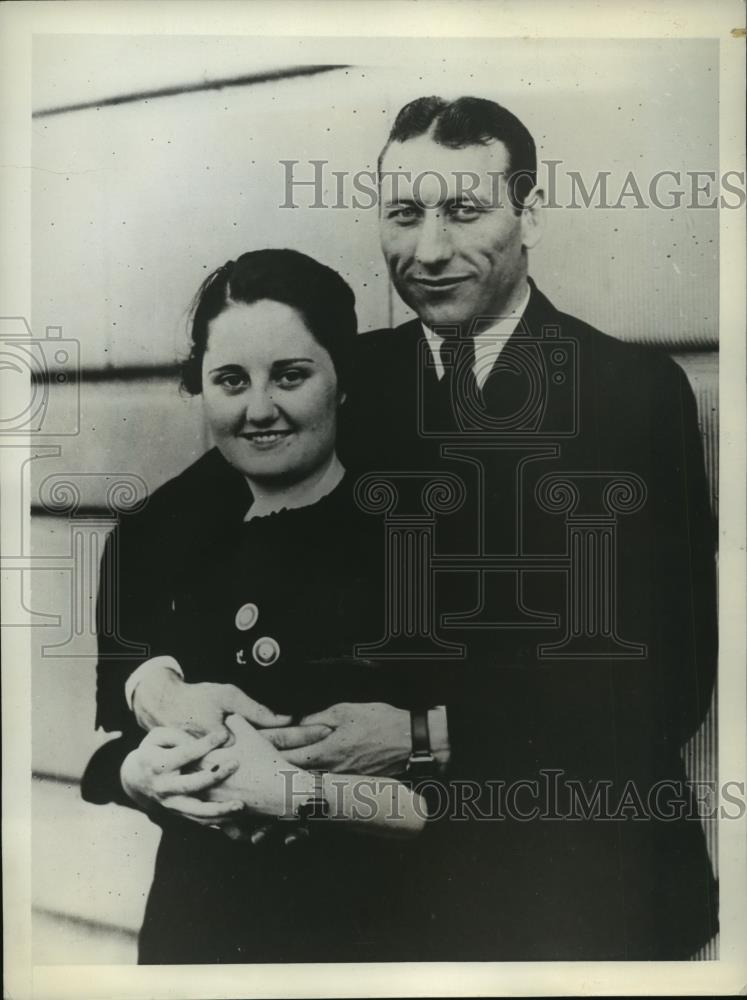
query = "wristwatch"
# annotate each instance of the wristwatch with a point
(313, 808)
(421, 762)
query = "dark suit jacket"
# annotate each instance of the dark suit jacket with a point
(586, 410)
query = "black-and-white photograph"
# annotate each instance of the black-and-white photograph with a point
(372, 464)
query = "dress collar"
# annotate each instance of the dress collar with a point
(332, 478)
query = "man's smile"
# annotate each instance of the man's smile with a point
(444, 282)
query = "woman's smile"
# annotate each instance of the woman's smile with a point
(265, 440)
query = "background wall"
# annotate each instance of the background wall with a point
(136, 199)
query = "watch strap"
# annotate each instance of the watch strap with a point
(421, 762)
(313, 808)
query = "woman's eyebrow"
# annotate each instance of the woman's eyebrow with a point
(230, 366)
(291, 361)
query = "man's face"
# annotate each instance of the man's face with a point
(454, 246)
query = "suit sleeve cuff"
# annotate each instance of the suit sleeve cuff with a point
(155, 663)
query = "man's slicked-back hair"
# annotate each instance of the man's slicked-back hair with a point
(471, 121)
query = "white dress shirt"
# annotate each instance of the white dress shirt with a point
(488, 343)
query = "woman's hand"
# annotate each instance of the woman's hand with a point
(270, 786)
(162, 698)
(264, 780)
(152, 775)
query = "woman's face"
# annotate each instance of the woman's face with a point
(270, 392)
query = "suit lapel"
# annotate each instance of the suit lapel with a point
(518, 384)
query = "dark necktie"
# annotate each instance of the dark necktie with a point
(458, 389)
(511, 387)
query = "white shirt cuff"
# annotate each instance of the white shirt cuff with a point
(156, 662)
(438, 727)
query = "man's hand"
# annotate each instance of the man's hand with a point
(372, 739)
(162, 698)
(152, 776)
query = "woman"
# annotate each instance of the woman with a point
(251, 577)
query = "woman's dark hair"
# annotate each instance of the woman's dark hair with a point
(324, 299)
(472, 121)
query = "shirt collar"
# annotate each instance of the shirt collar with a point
(488, 343)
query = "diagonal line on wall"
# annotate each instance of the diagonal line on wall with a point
(55, 778)
(247, 80)
(86, 923)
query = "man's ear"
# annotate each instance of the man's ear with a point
(533, 218)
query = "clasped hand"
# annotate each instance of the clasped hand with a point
(222, 782)
(372, 738)
(349, 738)
(190, 728)
(163, 698)
(153, 775)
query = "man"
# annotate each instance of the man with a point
(572, 622)
(601, 674)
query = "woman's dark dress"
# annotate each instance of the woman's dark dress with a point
(187, 565)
